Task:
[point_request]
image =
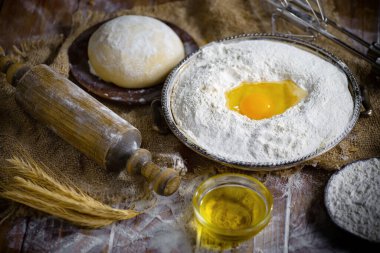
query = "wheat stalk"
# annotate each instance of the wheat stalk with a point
(29, 184)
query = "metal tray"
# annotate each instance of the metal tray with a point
(307, 46)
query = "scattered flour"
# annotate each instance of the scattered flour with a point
(353, 198)
(199, 106)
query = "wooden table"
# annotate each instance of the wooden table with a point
(299, 224)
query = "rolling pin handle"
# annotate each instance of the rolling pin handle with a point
(165, 181)
(5, 63)
(13, 71)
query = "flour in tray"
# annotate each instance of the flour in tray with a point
(199, 108)
(353, 198)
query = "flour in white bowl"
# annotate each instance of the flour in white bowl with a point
(198, 102)
(353, 198)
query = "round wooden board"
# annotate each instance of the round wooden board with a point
(78, 59)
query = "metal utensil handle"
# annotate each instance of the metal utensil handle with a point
(368, 111)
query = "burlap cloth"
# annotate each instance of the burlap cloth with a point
(205, 21)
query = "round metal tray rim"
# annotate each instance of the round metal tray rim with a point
(169, 84)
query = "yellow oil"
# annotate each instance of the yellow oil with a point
(233, 207)
(264, 99)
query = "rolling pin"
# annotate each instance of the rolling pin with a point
(85, 123)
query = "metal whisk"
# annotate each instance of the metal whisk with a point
(309, 14)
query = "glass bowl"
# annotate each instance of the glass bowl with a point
(251, 195)
(174, 76)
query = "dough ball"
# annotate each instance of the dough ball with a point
(134, 51)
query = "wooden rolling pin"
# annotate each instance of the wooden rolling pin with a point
(85, 123)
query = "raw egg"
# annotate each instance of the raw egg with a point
(264, 99)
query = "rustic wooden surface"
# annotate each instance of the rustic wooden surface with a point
(300, 222)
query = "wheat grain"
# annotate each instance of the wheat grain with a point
(29, 184)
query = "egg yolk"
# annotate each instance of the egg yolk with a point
(264, 99)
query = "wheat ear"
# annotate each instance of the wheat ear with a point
(30, 185)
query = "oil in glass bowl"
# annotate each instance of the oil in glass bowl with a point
(232, 207)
